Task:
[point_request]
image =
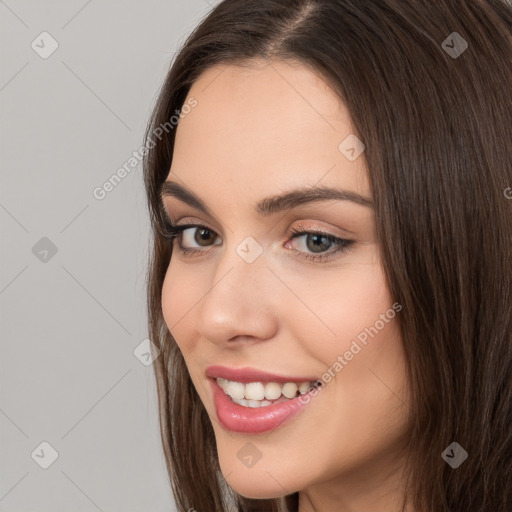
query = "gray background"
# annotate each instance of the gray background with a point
(70, 321)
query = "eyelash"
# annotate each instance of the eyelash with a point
(172, 231)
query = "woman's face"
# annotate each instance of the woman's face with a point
(251, 299)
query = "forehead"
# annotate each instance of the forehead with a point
(265, 127)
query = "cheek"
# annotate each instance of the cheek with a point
(367, 344)
(170, 302)
(180, 292)
(356, 337)
(332, 310)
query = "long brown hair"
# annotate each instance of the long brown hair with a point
(435, 116)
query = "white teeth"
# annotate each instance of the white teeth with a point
(235, 390)
(272, 390)
(304, 388)
(223, 383)
(290, 390)
(259, 394)
(252, 403)
(254, 391)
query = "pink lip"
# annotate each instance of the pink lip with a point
(248, 374)
(254, 420)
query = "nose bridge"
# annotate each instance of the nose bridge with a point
(239, 300)
(242, 272)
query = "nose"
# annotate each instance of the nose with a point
(242, 301)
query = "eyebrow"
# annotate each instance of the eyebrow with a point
(273, 204)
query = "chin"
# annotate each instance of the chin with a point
(261, 487)
(259, 481)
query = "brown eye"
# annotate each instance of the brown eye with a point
(194, 236)
(204, 236)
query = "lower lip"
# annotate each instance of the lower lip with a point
(254, 420)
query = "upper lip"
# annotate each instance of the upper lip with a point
(248, 374)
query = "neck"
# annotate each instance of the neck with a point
(376, 488)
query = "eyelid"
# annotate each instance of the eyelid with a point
(171, 226)
(306, 225)
(313, 226)
(189, 222)
(295, 215)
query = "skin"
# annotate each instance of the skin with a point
(257, 131)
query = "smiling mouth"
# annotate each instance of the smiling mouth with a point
(263, 394)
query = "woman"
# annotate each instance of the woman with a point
(330, 279)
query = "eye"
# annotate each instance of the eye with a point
(319, 246)
(199, 234)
